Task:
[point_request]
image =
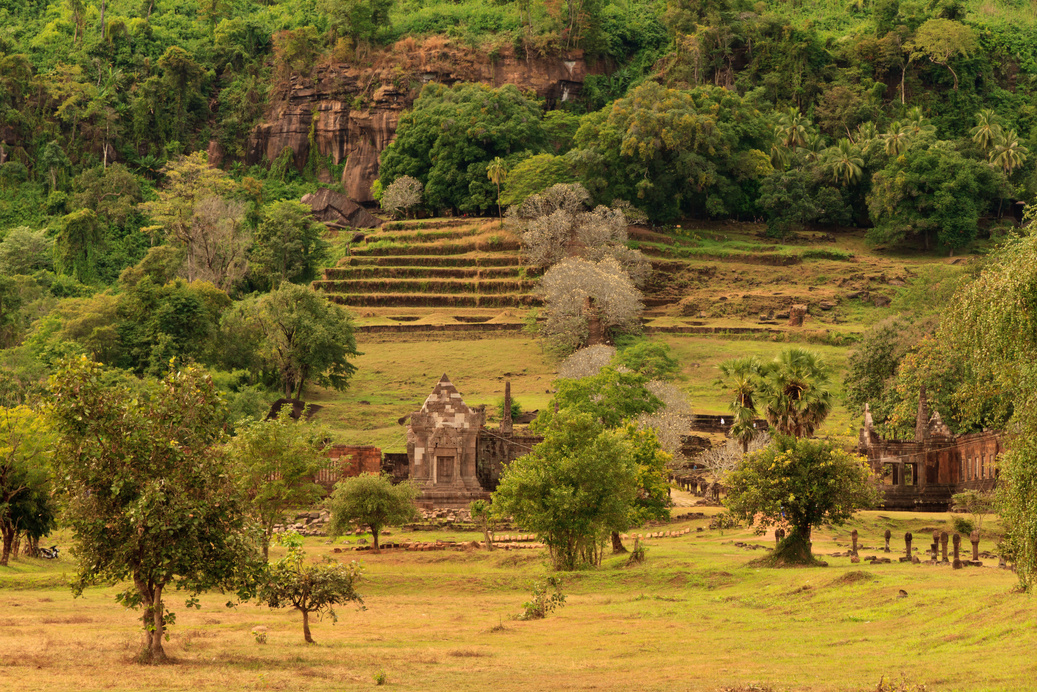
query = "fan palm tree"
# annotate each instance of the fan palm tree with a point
(794, 392)
(742, 376)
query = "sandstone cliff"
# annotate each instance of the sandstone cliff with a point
(353, 109)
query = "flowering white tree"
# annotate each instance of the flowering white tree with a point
(402, 194)
(723, 459)
(586, 362)
(556, 224)
(671, 421)
(575, 290)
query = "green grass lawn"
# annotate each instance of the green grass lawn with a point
(695, 616)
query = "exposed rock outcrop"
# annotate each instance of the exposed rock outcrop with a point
(350, 112)
(336, 209)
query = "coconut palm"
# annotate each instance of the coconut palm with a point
(794, 392)
(814, 148)
(1008, 153)
(917, 123)
(793, 129)
(843, 163)
(987, 131)
(896, 138)
(497, 172)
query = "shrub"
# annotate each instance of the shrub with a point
(545, 597)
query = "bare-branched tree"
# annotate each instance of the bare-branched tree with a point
(671, 421)
(219, 251)
(586, 362)
(723, 459)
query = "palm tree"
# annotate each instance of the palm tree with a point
(497, 172)
(987, 130)
(917, 123)
(742, 376)
(814, 148)
(896, 138)
(794, 391)
(843, 163)
(1008, 153)
(792, 128)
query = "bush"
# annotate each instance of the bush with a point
(963, 526)
(402, 195)
(542, 601)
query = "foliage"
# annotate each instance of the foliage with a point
(372, 501)
(794, 391)
(289, 244)
(586, 362)
(573, 489)
(273, 463)
(611, 396)
(453, 133)
(804, 482)
(26, 507)
(545, 596)
(305, 337)
(990, 327)
(535, 174)
(146, 489)
(976, 503)
(309, 588)
(24, 251)
(483, 516)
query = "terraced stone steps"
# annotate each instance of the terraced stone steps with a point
(424, 285)
(470, 260)
(396, 249)
(469, 273)
(456, 300)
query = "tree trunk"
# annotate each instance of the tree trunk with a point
(306, 626)
(486, 534)
(374, 535)
(8, 534)
(158, 654)
(16, 550)
(617, 544)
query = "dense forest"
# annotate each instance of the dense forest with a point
(912, 119)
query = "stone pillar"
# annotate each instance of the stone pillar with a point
(853, 537)
(934, 547)
(779, 536)
(943, 543)
(957, 547)
(975, 546)
(506, 426)
(907, 548)
(887, 536)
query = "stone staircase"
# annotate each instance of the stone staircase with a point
(463, 264)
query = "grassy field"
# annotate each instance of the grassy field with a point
(695, 616)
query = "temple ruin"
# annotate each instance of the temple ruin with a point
(924, 473)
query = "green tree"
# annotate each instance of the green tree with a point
(77, 245)
(54, 160)
(481, 514)
(992, 327)
(933, 193)
(453, 133)
(146, 490)
(843, 163)
(289, 583)
(942, 40)
(612, 396)
(535, 174)
(306, 337)
(26, 446)
(24, 251)
(273, 464)
(372, 501)
(289, 244)
(804, 482)
(574, 489)
(359, 20)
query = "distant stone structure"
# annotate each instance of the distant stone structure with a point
(922, 474)
(347, 461)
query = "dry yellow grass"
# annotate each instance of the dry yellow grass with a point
(693, 617)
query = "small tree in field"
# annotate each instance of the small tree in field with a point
(147, 493)
(371, 501)
(804, 482)
(273, 463)
(309, 588)
(402, 195)
(482, 515)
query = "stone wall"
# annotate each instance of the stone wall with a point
(346, 461)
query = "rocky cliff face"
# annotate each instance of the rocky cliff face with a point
(350, 112)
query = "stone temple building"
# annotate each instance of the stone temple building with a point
(451, 454)
(922, 474)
